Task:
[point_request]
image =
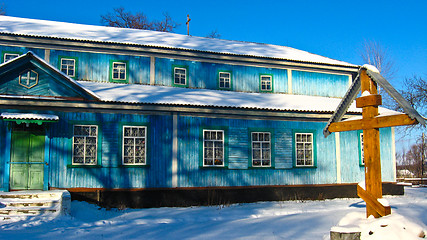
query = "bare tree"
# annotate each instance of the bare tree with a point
(214, 34)
(415, 92)
(374, 54)
(2, 9)
(124, 19)
(166, 25)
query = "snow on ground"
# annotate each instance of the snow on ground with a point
(264, 220)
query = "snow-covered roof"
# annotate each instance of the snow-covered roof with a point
(148, 94)
(30, 116)
(62, 30)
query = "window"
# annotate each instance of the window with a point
(224, 80)
(9, 56)
(361, 152)
(266, 83)
(68, 66)
(119, 71)
(261, 149)
(304, 149)
(134, 145)
(180, 76)
(213, 148)
(28, 78)
(85, 144)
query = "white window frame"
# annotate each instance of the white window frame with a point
(224, 80)
(305, 144)
(266, 83)
(261, 148)
(68, 66)
(134, 146)
(361, 152)
(85, 145)
(9, 56)
(213, 141)
(119, 70)
(180, 76)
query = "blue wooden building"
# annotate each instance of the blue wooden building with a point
(144, 118)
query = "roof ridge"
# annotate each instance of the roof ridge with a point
(97, 33)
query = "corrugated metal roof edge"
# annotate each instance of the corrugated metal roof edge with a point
(29, 97)
(232, 107)
(186, 49)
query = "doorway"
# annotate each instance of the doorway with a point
(27, 157)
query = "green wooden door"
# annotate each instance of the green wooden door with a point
(27, 160)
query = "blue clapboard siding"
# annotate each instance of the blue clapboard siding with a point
(238, 174)
(96, 66)
(319, 84)
(22, 50)
(386, 144)
(158, 174)
(110, 174)
(351, 170)
(205, 75)
(3, 174)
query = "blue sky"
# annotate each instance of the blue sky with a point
(335, 29)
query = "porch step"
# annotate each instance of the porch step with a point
(31, 203)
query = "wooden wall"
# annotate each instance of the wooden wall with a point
(110, 174)
(96, 67)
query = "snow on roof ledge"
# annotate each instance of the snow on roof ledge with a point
(148, 94)
(44, 28)
(370, 68)
(30, 116)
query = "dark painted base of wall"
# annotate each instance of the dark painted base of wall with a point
(183, 197)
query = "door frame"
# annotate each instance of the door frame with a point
(7, 158)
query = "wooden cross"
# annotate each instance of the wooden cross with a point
(188, 24)
(370, 124)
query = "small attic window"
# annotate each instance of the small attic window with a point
(68, 66)
(9, 56)
(180, 76)
(266, 83)
(119, 71)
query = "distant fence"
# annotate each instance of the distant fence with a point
(414, 181)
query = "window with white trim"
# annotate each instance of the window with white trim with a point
(68, 66)
(362, 155)
(304, 149)
(180, 76)
(85, 144)
(134, 145)
(213, 148)
(119, 71)
(266, 83)
(224, 80)
(261, 149)
(10, 56)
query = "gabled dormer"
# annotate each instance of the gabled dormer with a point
(30, 76)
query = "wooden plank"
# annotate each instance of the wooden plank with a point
(372, 123)
(371, 148)
(370, 100)
(372, 201)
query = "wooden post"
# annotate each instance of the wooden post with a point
(371, 147)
